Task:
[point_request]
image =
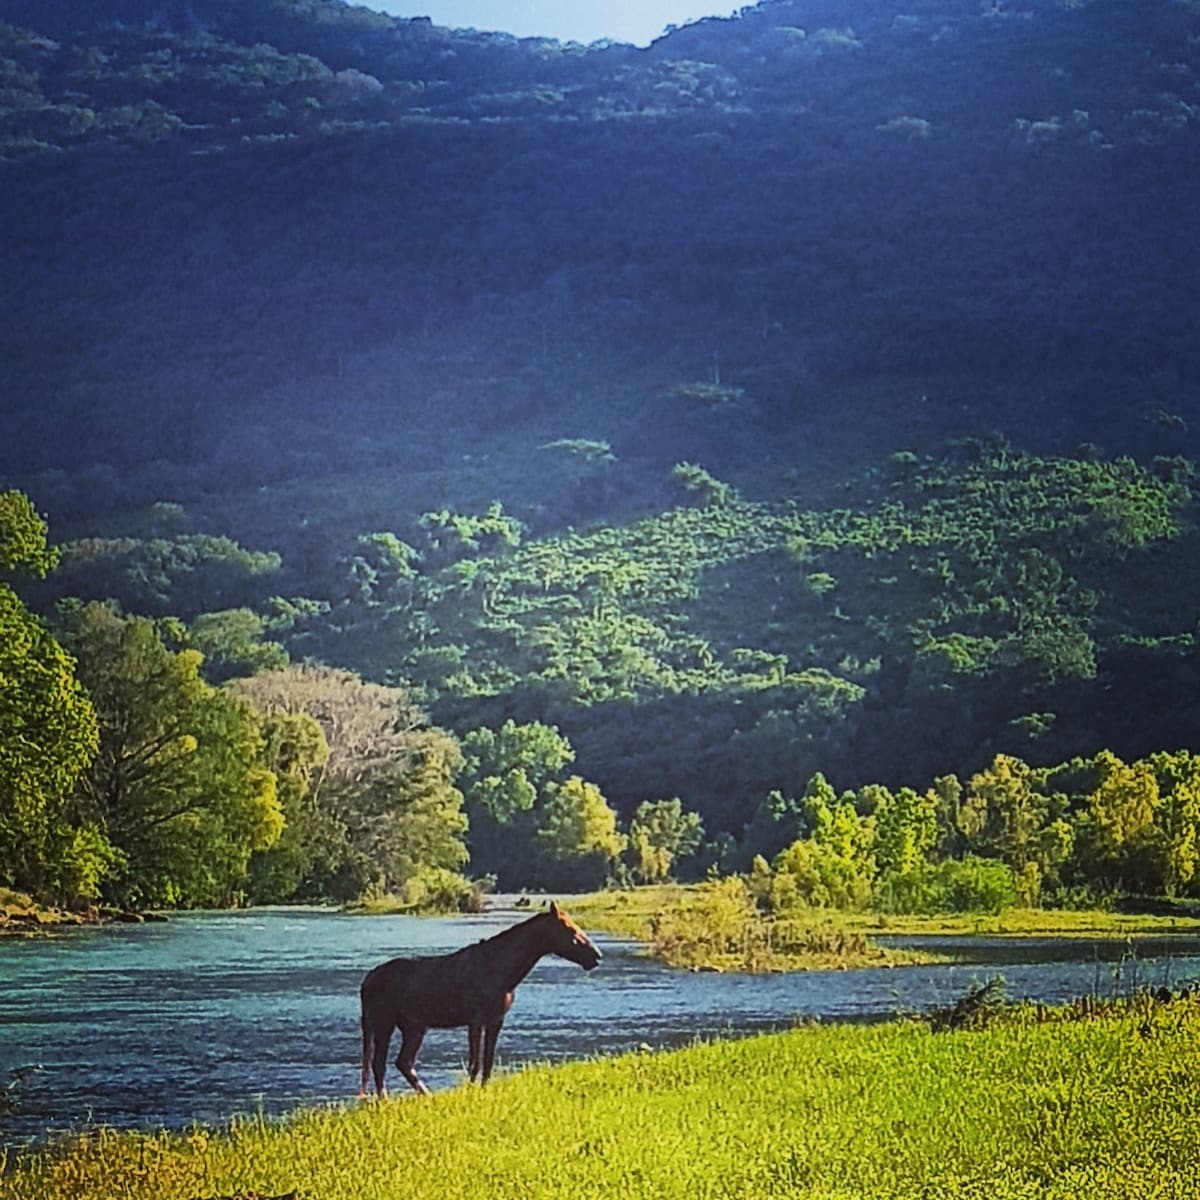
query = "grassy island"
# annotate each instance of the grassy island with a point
(1035, 1104)
(714, 926)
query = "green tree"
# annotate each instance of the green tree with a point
(232, 643)
(177, 785)
(577, 837)
(506, 769)
(906, 830)
(294, 750)
(1019, 823)
(385, 801)
(835, 824)
(660, 833)
(506, 776)
(1176, 838)
(48, 733)
(1116, 824)
(23, 537)
(777, 821)
(815, 874)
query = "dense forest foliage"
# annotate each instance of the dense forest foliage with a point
(480, 457)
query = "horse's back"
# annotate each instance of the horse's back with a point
(435, 991)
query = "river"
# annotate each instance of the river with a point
(214, 1014)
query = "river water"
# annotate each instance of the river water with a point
(214, 1014)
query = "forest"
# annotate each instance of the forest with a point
(433, 460)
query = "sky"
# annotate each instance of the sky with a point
(637, 21)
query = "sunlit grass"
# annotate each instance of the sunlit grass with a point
(627, 913)
(1097, 1108)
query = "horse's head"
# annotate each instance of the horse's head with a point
(568, 941)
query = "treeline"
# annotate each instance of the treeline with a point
(147, 760)
(126, 777)
(1078, 833)
(717, 647)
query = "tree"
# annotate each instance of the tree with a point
(48, 734)
(177, 786)
(23, 534)
(505, 770)
(906, 831)
(836, 825)
(814, 873)
(231, 642)
(506, 774)
(661, 833)
(1018, 823)
(577, 837)
(1116, 827)
(47, 738)
(385, 794)
(1176, 838)
(776, 822)
(294, 750)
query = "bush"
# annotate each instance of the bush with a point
(970, 885)
(434, 890)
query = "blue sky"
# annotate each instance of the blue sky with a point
(637, 21)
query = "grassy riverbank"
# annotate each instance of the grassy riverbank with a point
(1104, 1107)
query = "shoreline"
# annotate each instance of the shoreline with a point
(22, 917)
(906, 1107)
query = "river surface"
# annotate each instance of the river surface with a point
(214, 1014)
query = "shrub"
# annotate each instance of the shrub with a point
(970, 885)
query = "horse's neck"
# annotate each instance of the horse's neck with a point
(515, 952)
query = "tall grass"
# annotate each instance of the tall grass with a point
(1098, 1108)
(717, 926)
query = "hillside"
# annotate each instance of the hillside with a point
(910, 291)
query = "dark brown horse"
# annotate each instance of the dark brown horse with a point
(472, 987)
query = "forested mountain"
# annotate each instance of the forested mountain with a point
(813, 390)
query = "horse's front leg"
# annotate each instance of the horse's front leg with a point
(491, 1035)
(474, 1038)
(411, 1037)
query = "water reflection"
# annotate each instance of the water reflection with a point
(214, 1014)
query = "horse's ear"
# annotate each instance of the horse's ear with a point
(555, 909)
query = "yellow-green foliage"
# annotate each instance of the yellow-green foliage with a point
(1102, 1108)
(717, 926)
(630, 914)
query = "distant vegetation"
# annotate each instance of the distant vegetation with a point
(480, 460)
(992, 572)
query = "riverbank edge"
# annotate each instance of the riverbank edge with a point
(21, 916)
(879, 1111)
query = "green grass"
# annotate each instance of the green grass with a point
(1100, 1108)
(632, 912)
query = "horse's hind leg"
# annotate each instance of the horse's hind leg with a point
(381, 1038)
(411, 1037)
(474, 1037)
(368, 1050)
(491, 1035)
